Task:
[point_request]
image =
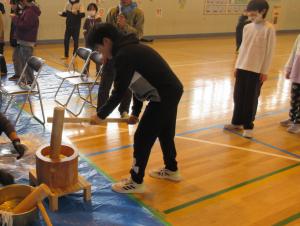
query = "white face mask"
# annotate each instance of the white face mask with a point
(92, 13)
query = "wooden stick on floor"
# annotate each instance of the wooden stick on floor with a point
(44, 214)
(88, 120)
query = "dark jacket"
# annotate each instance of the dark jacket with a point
(27, 24)
(89, 23)
(156, 80)
(73, 12)
(5, 125)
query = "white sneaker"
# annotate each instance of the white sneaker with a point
(248, 133)
(233, 127)
(128, 186)
(125, 115)
(164, 173)
(286, 123)
(295, 128)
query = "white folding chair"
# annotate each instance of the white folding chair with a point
(86, 81)
(82, 53)
(12, 91)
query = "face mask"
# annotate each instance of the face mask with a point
(92, 13)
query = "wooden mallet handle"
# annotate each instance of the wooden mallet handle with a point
(56, 134)
(88, 120)
(37, 195)
(44, 214)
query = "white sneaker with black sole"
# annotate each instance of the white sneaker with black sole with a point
(233, 127)
(128, 186)
(286, 123)
(248, 133)
(295, 128)
(164, 173)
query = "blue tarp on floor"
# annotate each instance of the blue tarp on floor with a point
(106, 208)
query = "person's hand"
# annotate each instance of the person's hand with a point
(95, 120)
(121, 21)
(132, 120)
(287, 74)
(20, 148)
(12, 15)
(235, 73)
(263, 77)
(6, 178)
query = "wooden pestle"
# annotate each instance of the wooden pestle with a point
(38, 194)
(56, 134)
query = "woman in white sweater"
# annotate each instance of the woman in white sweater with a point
(292, 72)
(252, 66)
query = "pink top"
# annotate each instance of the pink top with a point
(293, 64)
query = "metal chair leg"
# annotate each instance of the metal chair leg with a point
(8, 104)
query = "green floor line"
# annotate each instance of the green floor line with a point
(221, 192)
(155, 213)
(288, 220)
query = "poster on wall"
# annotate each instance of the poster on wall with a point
(224, 7)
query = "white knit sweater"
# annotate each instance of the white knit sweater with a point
(257, 49)
(293, 64)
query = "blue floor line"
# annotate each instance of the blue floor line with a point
(266, 144)
(109, 150)
(182, 134)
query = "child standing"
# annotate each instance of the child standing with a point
(73, 12)
(252, 66)
(2, 58)
(89, 23)
(292, 72)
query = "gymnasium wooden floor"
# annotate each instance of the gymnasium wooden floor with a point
(228, 180)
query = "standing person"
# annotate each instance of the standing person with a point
(9, 130)
(252, 66)
(13, 40)
(73, 12)
(2, 58)
(292, 72)
(243, 21)
(26, 25)
(150, 78)
(130, 20)
(89, 23)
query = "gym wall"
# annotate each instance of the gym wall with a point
(165, 17)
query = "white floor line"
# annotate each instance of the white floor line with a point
(93, 137)
(237, 147)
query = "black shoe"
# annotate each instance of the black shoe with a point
(14, 78)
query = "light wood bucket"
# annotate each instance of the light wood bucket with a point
(57, 173)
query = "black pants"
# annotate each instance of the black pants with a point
(106, 82)
(246, 93)
(295, 103)
(158, 121)
(2, 60)
(74, 33)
